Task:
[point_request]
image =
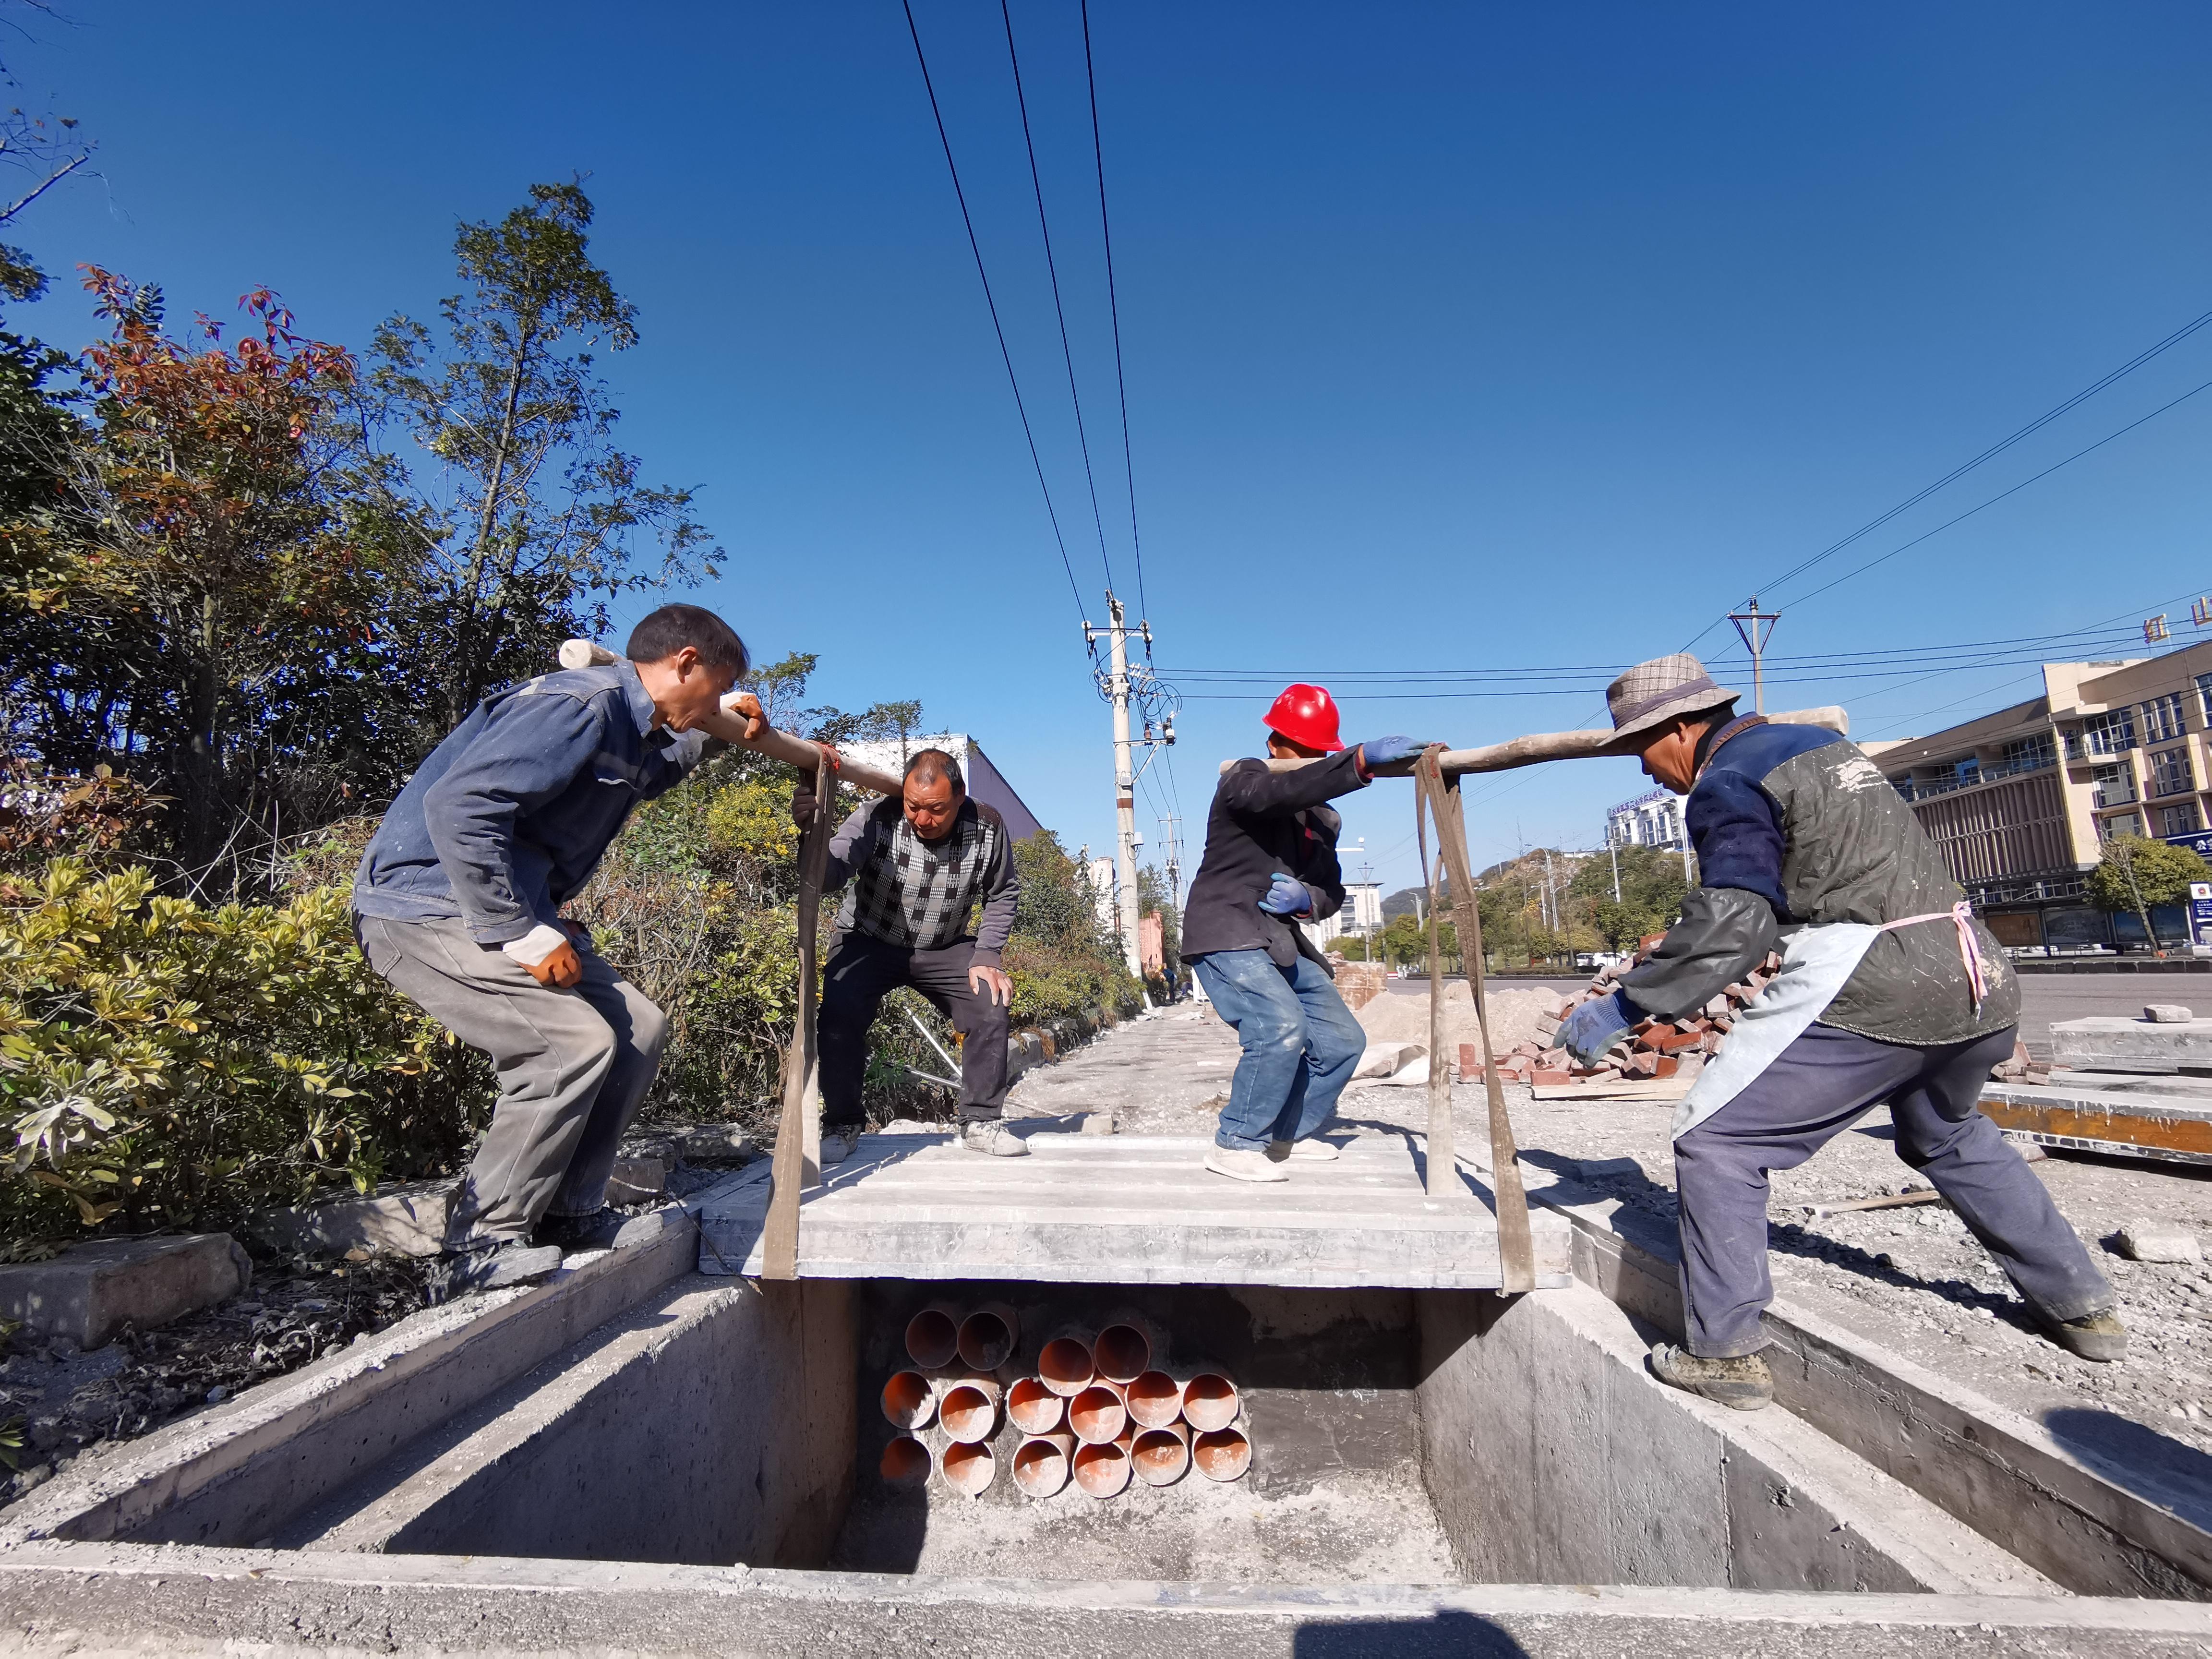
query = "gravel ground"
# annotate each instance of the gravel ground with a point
(1911, 1279)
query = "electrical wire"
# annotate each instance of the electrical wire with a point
(1114, 308)
(1052, 269)
(1007, 356)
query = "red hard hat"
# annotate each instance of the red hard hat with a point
(1306, 715)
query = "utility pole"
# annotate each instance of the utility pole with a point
(1115, 683)
(1754, 627)
(1171, 839)
(1612, 846)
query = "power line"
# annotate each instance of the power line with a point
(1114, 307)
(1052, 269)
(1007, 356)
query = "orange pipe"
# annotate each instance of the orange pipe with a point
(1122, 1353)
(968, 1414)
(908, 1401)
(1042, 1463)
(1064, 1365)
(1210, 1401)
(1222, 1454)
(1155, 1399)
(905, 1461)
(1101, 1471)
(967, 1468)
(988, 1337)
(932, 1338)
(1161, 1457)
(1034, 1408)
(1097, 1415)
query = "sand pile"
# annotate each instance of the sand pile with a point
(1394, 1016)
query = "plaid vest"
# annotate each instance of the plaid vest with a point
(910, 894)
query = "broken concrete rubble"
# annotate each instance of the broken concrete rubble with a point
(89, 1293)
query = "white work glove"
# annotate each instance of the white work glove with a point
(540, 943)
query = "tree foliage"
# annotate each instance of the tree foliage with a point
(2137, 874)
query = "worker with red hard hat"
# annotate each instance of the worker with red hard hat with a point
(1270, 863)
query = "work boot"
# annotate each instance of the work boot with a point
(1305, 1152)
(491, 1267)
(571, 1233)
(1743, 1382)
(994, 1139)
(1242, 1163)
(2097, 1336)
(837, 1147)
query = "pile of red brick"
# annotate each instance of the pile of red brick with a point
(1655, 1049)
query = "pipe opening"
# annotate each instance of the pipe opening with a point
(987, 1339)
(968, 1468)
(1222, 1454)
(969, 1415)
(1034, 1408)
(1101, 1470)
(1155, 1399)
(1097, 1415)
(1121, 1354)
(908, 1401)
(1159, 1456)
(905, 1462)
(1065, 1366)
(1210, 1401)
(932, 1340)
(1041, 1467)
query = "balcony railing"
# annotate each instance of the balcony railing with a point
(1912, 789)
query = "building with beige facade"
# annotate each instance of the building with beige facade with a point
(2022, 800)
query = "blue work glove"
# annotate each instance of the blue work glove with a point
(1286, 896)
(1591, 1029)
(1380, 751)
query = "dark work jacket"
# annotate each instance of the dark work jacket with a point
(1795, 825)
(1261, 823)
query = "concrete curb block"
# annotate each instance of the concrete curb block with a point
(2005, 1476)
(495, 1603)
(233, 1475)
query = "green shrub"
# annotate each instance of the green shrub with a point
(166, 1064)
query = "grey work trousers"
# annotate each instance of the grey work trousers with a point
(574, 1067)
(1818, 1087)
(860, 974)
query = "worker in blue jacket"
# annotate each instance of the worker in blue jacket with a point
(458, 903)
(1890, 990)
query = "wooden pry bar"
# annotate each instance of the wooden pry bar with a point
(1517, 1252)
(798, 1164)
(1537, 747)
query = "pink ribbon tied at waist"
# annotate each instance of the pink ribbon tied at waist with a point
(1970, 948)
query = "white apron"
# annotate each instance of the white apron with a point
(1816, 960)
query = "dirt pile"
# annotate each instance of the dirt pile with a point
(1514, 1016)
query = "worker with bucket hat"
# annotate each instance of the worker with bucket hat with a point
(1890, 990)
(1270, 863)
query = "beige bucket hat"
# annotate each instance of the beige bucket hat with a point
(1652, 693)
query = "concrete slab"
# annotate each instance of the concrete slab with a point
(409, 1220)
(2077, 1114)
(1130, 1210)
(90, 1292)
(635, 1180)
(2104, 1043)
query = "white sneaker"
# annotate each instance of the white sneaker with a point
(835, 1149)
(1242, 1163)
(994, 1139)
(1305, 1152)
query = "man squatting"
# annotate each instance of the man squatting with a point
(1889, 991)
(918, 865)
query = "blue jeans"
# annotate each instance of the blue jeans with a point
(1300, 1046)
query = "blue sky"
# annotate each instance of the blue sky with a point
(1456, 337)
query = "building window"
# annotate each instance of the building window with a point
(2027, 753)
(2170, 773)
(2120, 824)
(2112, 734)
(2162, 720)
(2111, 786)
(2204, 697)
(2180, 820)
(1969, 771)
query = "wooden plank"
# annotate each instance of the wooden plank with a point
(1654, 1088)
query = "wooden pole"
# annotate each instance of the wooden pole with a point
(1443, 1167)
(797, 1163)
(1540, 746)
